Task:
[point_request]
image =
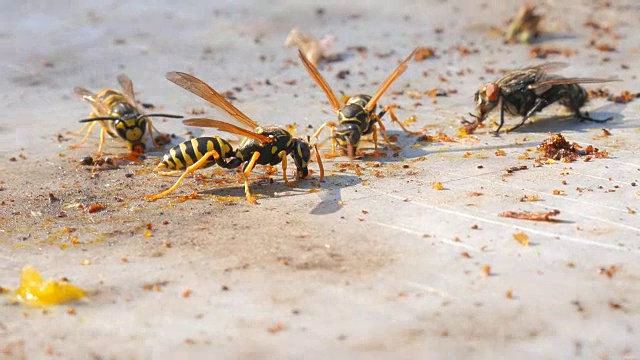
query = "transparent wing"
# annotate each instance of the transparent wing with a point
(91, 98)
(226, 127)
(548, 67)
(206, 92)
(568, 81)
(127, 86)
(385, 85)
(311, 69)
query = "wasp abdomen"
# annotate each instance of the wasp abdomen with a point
(188, 152)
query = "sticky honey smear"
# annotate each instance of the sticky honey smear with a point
(34, 291)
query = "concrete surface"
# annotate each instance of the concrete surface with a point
(376, 265)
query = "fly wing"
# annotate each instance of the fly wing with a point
(385, 85)
(226, 127)
(206, 92)
(91, 98)
(520, 80)
(311, 69)
(543, 86)
(548, 67)
(127, 86)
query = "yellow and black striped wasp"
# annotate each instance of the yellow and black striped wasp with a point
(358, 116)
(262, 145)
(118, 115)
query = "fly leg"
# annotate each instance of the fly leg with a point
(538, 105)
(586, 117)
(501, 118)
(195, 166)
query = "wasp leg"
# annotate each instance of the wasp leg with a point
(383, 131)
(247, 171)
(103, 132)
(86, 136)
(332, 126)
(150, 128)
(539, 104)
(79, 132)
(195, 166)
(283, 155)
(319, 160)
(394, 118)
(165, 173)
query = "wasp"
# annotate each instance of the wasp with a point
(119, 116)
(529, 90)
(358, 116)
(267, 145)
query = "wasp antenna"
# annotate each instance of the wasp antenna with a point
(160, 115)
(100, 118)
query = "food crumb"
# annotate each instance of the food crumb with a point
(276, 328)
(96, 207)
(486, 270)
(509, 294)
(437, 185)
(609, 272)
(522, 238)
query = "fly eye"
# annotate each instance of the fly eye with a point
(493, 92)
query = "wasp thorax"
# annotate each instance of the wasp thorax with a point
(360, 100)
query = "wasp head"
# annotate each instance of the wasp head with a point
(486, 99)
(301, 156)
(347, 136)
(131, 129)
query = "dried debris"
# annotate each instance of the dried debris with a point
(315, 50)
(524, 27)
(532, 215)
(513, 169)
(557, 148)
(624, 97)
(609, 272)
(424, 52)
(539, 52)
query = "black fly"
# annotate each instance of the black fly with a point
(527, 91)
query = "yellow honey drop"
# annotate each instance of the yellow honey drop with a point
(33, 290)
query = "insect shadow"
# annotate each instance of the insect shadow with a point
(570, 123)
(404, 143)
(331, 193)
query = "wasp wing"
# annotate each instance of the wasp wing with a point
(311, 69)
(92, 98)
(385, 85)
(127, 86)
(543, 86)
(206, 92)
(226, 127)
